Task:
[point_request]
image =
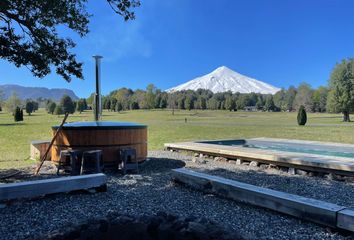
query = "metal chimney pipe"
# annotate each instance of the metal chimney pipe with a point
(98, 103)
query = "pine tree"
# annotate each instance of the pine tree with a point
(301, 116)
(18, 115)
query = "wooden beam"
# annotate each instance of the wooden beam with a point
(312, 162)
(320, 212)
(39, 188)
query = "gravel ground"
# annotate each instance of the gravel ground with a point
(152, 191)
(320, 188)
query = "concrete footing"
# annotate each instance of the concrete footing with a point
(320, 212)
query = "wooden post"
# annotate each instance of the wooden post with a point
(51, 143)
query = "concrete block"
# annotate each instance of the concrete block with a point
(304, 208)
(346, 219)
(38, 188)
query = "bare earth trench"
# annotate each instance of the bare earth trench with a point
(152, 191)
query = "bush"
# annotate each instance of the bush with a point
(301, 116)
(51, 107)
(68, 106)
(58, 110)
(18, 116)
(29, 107)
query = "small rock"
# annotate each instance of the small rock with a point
(232, 161)
(291, 171)
(238, 162)
(254, 164)
(329, 176)
(196, 154)
(220, 159)
(201, 155)
(194, 159)
(311, 174)
(263, 166)
(245, 163)
(301, 172)
(349, 179)
(272, 166)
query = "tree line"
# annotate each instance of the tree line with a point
(337, 97)
(314, 100)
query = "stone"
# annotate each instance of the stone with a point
(238, 162)
(220, 159)
(201, 155)
(196, 154)
(254, 164)
(311, 174)
(232, 161)
(272, 166)
(291, 171)
(301, 172)
(349, 179)
(194, 159)
(263, 166)
(245, 163)
(329, 176)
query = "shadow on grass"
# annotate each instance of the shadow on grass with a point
(11, 124)
(330, 117)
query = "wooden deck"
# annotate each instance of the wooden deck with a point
(305, 161)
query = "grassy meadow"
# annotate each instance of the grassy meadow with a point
(164, 127)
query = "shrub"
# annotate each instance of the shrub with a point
(68, 106)
(301, 116)
(29, 107)
(18, 116)
(58, 110)
(51, 107)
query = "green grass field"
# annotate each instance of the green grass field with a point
(164, 127)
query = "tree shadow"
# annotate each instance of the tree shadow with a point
(11, 124)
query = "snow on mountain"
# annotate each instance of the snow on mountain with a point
(224, 79)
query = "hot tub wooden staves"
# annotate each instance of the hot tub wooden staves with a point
(109, 137)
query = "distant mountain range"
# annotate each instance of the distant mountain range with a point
(224, 79)
(36, 92)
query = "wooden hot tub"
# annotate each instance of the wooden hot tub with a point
(106, 136)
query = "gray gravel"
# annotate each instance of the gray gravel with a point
(152, 191)
(320, 188)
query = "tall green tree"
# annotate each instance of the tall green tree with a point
(269, 104)
(18, 114)
(2, 98)
(113, 104)
(29, 33)
(320, 99)
(151, 92)
(12, 102)
(304, 97)
(67, 104)
(341, 89)
(51, 107)
(80, 106)
(29, 107)
(230, 103)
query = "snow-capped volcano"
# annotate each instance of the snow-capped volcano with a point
(224, 79)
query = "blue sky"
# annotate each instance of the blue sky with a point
(281, 42)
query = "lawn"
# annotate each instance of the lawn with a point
(164, 127)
